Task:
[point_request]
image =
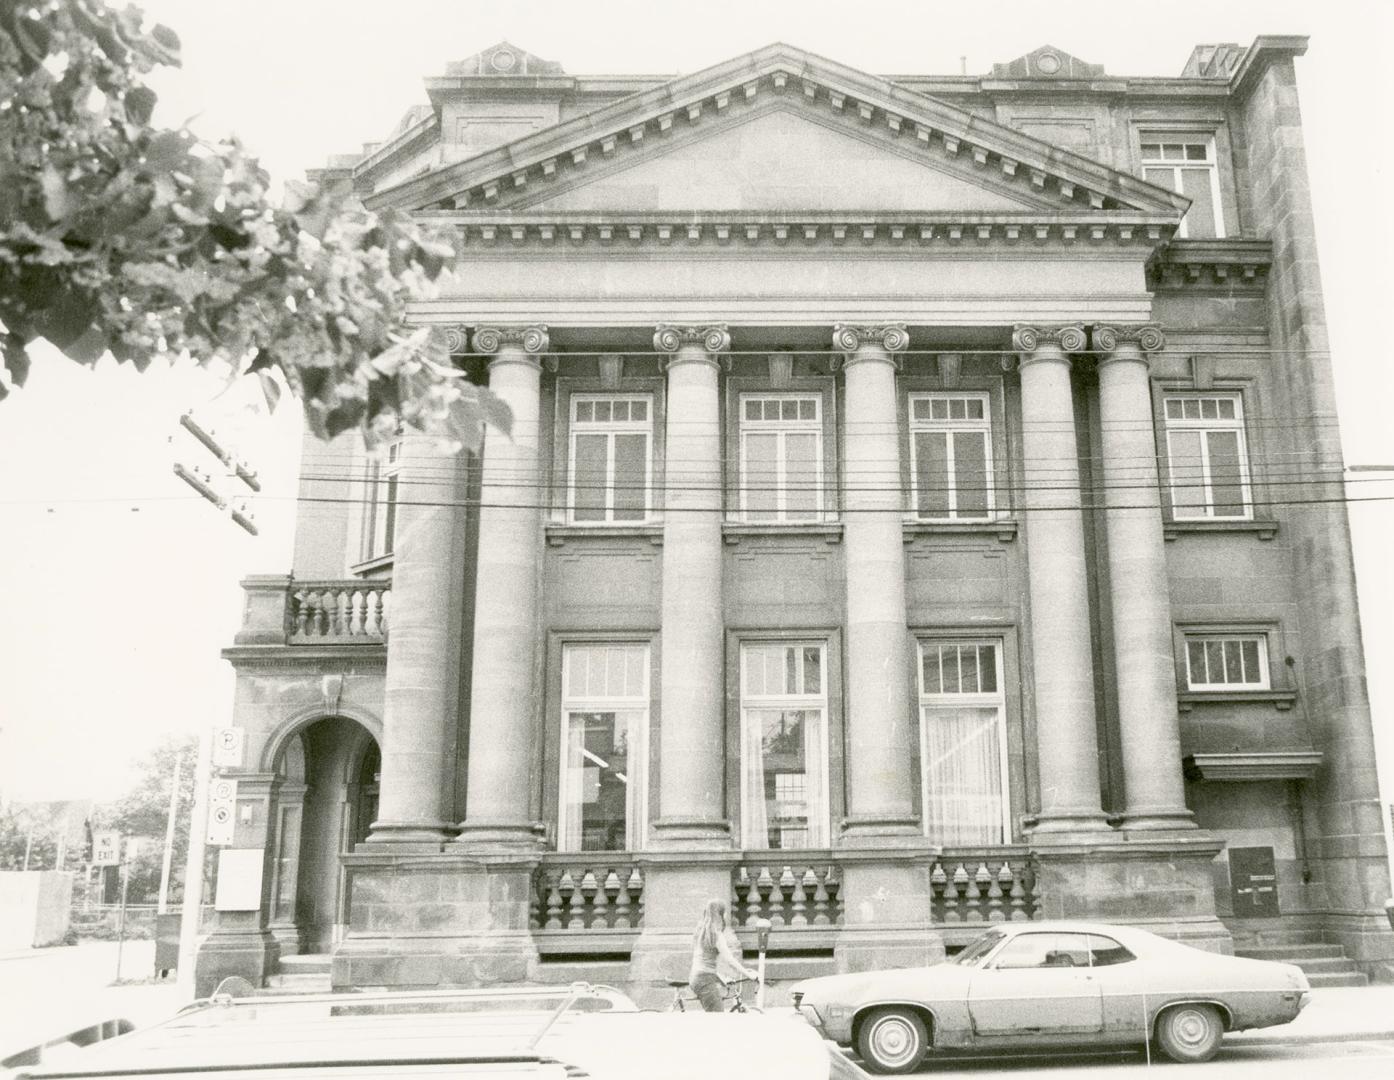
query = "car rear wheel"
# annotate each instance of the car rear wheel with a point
(1190, 1033)
(892, 1040)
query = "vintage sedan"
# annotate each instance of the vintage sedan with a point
(1053, 984)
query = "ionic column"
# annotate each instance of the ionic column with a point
(421, 696)
(691, 743)
(880, 733)
(1142, 638)
(503, 690)
(1062, 666)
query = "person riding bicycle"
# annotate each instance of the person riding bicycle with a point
(709, 944)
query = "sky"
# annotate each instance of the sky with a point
(121, 585)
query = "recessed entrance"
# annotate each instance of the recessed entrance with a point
(326, 801)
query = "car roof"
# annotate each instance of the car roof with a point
(1073, 926)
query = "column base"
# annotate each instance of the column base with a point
(876, 831)
(523, 836)
(688, 834)
(1068, 825)
(1158, 819)
(405, 964)
(251, 954)
(422, 835)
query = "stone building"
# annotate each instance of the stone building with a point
(922, 508)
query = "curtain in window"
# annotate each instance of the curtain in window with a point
(754, 816)
(963, 775)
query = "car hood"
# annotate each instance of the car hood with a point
(897, 982)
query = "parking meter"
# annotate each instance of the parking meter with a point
(762, 942)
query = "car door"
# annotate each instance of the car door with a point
(1037, 984)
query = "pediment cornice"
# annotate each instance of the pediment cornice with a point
(544, 230)
(1044, 175)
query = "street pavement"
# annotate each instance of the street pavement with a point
(44, 993)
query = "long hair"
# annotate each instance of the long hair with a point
(711, 925)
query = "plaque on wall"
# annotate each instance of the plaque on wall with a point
(1253, 882)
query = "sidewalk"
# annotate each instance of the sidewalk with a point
(1333, 1015)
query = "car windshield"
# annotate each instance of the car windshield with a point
(978, 949)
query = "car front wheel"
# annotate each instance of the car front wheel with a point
(1190, 1033)
(892, 1040)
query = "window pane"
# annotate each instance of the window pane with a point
(812, 670)
(801, 476)
(631, 467)
(789, 410)
(975, 409)
(1234, 666)
(1200, 218)
(783, 768)
(1195, 662)
(1151, 150)
(638, 410)
(939, 409)
(932, 473)
(808, 410)
(1164, 178)
(962, 775)
(602, 411)
(595, 811)
(761, 476)
(987, 668)
(588, 477)
(585, 411)
(968, 670)
(1191, 408)
(389, 517)
(919, 408)
(1197, 152)
(931, 680)
(1226, 479)
(1227, 408)
(1173, 409)
(1187, 474)
(970, 473)
(949, 669)
(1209, 409)
(1172, 151)
(1215, 661)
(1252, 672)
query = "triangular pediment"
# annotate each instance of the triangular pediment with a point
(785, 159)
(781, 130)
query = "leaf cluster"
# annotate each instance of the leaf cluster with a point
(118, 236)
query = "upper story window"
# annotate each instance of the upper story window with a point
(1186, 164)
(781, 457)
(1227, 662)
(611, 460)
(951, 456)
(784, 745)
(1207, 457)
(380, 522)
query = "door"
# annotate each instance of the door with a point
(1039, 984)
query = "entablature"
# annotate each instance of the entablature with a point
(1235, 263)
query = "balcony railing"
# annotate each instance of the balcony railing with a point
(804, 891)
(337, 612)
(588, 892)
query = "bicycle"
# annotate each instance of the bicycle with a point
(732, 999)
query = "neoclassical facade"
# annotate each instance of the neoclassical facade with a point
(921, 509)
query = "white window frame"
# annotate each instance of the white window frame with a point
(794, 702)
(384, 489)
(1259, 639)
(780, 428)
(948, 428)
(997, 699)
(609, 428)
(1210, 164)
(1204, 425)
(636, 805)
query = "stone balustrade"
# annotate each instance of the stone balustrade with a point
(337, 612)
(983, 885)
(588, 892)
(803, 892)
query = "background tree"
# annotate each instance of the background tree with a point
(120, 236)
(144, 810)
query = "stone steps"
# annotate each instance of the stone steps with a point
(1325, 965)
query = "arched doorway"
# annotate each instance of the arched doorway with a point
(326, 801)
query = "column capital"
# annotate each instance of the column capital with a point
(1028, 340)
(532, 339)
(1138, 337)
(712, 339)
(891, 338)
(457, 336)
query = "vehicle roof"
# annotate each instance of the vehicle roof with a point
(1075, 926)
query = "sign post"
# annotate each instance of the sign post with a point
(132, 847)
